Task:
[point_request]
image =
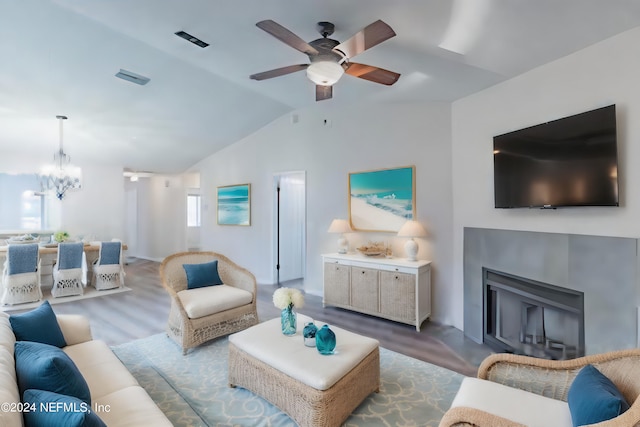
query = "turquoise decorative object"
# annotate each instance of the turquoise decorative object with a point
(325, 340)
(309, 334)
(288, 320)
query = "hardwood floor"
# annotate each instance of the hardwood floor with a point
(127, 316)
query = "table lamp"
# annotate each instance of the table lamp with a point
(341, 226)
(411, 229)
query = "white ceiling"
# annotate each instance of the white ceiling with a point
(60, 57)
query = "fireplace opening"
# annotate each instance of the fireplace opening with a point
(524, 316)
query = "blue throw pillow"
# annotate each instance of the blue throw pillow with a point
(201, 275)
(45, 367)
(39, 325)
(594, 398)
(57, 410)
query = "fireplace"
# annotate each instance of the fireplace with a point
(524, 316)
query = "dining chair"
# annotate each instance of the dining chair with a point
(21, 276)
(70, 270)
(108, 269)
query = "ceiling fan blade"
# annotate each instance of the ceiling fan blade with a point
(286, 36)
(278, 72)
(366, 38)
(371, 73)
(323, 92)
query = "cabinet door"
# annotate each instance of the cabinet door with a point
(336, 284)
(364, 289)
(398, 296)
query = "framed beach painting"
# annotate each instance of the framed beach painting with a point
(382, 200)
(234, 204)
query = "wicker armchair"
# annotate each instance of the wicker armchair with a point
(191, 332)
(552, 378)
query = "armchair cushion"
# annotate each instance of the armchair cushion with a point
(202, 302)
(45, 367)
(38, 325)
(594, 398)
(512, 404)
(202, 275)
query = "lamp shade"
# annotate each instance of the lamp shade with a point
(412, 229)
(324, 73)
(339, 226)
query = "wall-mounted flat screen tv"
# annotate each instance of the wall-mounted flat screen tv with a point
(571, 161)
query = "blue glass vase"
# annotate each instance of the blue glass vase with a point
(288, 320)
(325, 340)
(309, 334)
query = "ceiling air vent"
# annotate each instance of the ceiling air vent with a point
(132, 77)
(191, 38)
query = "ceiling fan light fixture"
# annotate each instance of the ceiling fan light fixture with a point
(325, 73)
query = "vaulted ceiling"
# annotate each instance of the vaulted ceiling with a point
(61, 57)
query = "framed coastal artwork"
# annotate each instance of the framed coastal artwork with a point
(382, 200)
(234, 204)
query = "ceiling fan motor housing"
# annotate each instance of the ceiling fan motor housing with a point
(326, 53)
(325, 28)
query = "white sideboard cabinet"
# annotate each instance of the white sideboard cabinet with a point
(394, 288)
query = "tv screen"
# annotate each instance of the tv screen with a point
(566, 162)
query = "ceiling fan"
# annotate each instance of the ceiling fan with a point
(329, 58)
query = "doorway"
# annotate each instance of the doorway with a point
(290, 228)
(131, 225)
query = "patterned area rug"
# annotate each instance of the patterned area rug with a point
(192, 390)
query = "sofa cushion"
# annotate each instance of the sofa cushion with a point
(130, 407)
(513, 404)
(39, 325)
(75, 328)
(7, 337)
(45, 367)
(202, 302)
(9, 393)
(202, 275)
(594, 398)
(100, 367)
(60, 410)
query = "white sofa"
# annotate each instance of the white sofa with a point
(116, 396)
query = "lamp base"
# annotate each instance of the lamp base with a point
(411, 249)
(343, 245)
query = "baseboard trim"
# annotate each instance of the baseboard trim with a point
(149, 258)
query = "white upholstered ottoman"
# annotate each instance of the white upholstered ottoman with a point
(314, 390)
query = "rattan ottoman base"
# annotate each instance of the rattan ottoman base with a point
(306, 405)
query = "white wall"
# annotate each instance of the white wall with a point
(604, 74)
(357, 138)
(96, 210)
(161, 216)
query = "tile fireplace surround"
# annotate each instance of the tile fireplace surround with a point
(604, 268)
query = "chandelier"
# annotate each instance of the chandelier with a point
(61, 175)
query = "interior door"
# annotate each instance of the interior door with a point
(131, 218)
(290, 227)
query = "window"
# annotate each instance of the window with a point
(32, 211)
(24, 206)
(193, 210)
